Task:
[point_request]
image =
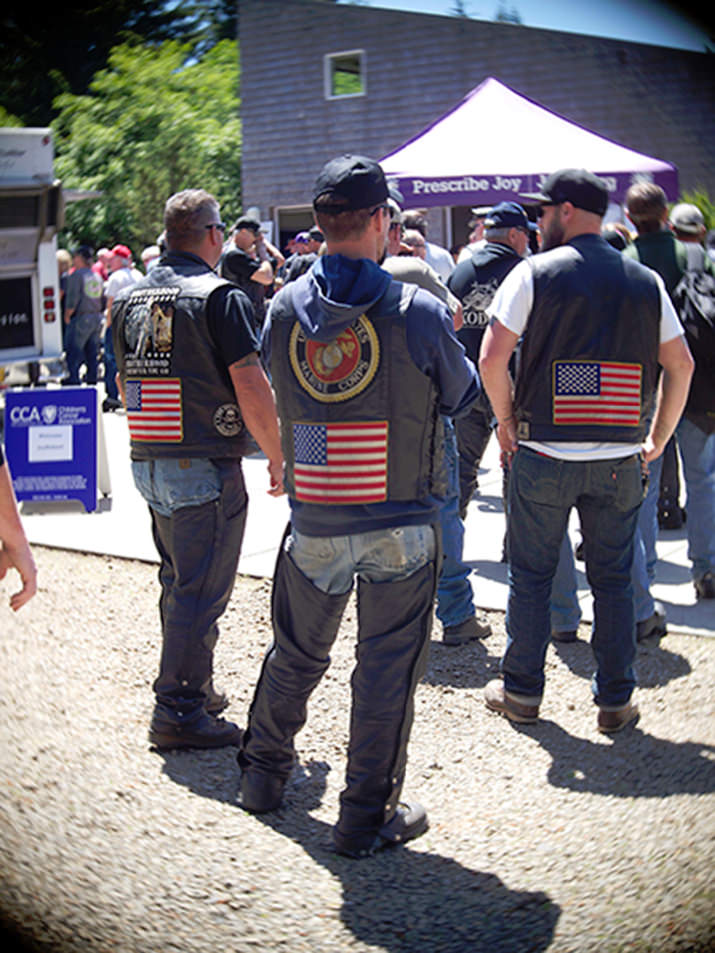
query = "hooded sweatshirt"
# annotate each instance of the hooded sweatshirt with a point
(354, 302)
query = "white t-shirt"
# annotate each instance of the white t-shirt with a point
(121, 278)
(511, 306)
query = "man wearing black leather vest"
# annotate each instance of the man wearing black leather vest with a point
(594, 326)
(475, 281)
(193, 387)
(363, 367)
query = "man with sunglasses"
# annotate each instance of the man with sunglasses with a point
(364, 368)
(251, 262)
(594, 327)
(193, 387)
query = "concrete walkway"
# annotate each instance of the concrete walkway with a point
(123, 529)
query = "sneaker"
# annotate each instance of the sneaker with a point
(260, 792)
(653, 625)
(705, 586)
(567, 636)
(610, 722)
(198, 730)
(408, 822)
(467, 631)
(498, 699)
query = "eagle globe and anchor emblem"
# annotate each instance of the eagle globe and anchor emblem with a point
(336, 370)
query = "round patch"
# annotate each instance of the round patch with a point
(339, 369)
(227, 420)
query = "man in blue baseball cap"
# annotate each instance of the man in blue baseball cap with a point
(474, 282)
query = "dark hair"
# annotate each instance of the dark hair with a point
(645, 204)
(338, 226)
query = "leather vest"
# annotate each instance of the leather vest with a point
(588, 360)
(360, 423)
(179, 396)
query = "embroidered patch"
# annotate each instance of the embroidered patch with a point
(154, 410)
(596, 393)
(227, 420)
(336, 370)
(340, 462)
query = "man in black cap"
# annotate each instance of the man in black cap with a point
(83, 316)
(474, 282)
(251, 264)
(593, 328)
(363, 367)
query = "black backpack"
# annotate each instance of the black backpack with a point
(694, 300)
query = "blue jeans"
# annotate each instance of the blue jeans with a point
(455, 602)
(607, 495)
(110, 366)
(697, 451)
(386, 555)
(82, 347)
(565, 609)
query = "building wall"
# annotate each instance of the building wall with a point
(651, 99)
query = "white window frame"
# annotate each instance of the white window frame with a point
(328, 71)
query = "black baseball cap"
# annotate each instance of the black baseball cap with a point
(349, 183)
(506, 215)
(579, 186)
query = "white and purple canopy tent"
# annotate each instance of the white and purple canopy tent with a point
(497, 144)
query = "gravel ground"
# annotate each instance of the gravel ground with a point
(547, 837)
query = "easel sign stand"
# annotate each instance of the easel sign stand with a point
(55, 447)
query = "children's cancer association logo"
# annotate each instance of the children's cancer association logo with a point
(336, 370)
(49, 413)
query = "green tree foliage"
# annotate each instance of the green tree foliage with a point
(49, 50)
(149, 126)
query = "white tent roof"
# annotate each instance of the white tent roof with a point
(496, 144)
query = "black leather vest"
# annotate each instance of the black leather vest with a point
(179, 395)
(588, 359)
(360, 423)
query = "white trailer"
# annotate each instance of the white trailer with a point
(31, 213)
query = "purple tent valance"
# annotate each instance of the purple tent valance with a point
(455, 162)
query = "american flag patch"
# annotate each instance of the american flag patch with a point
(154, 409)
(597, 393)
(340, 463)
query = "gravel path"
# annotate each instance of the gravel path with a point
(548, 837)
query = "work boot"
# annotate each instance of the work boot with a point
(192, 730)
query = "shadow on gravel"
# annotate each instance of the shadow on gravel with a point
(633, 764)
(655, 663)
(463, 666)
(403, 899)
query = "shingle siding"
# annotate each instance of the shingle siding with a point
(652, 99)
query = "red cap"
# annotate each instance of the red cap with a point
(122, 251)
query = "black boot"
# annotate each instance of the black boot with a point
(395, 620)
(305, 624)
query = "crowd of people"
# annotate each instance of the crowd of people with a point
(371, 367)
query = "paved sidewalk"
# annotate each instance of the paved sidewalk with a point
(124, 530)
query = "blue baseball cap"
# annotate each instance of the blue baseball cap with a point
(506, 215)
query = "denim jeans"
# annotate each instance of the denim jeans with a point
(82, 347)
(697, 451)
(455, 602)
(110, 366)
(565, 609)
(385, 555)
(607, 495)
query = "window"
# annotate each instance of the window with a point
(345, 74)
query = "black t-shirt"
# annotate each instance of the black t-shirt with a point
(229, 316)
